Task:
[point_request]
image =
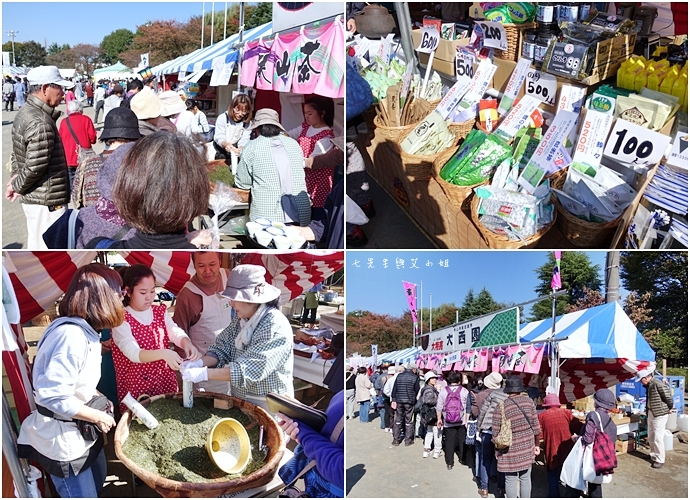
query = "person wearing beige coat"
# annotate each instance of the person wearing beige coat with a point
(362, 394)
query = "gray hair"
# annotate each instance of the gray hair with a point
(75, 106)
(35, 89)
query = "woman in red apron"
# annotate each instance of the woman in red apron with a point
(314, 137)
(144, 362)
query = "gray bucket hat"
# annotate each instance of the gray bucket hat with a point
(266, 116)
(247, 283)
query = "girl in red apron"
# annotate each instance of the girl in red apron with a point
(314, 137)
(144, 362)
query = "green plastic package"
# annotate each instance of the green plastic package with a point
(478, 166)
(471, 142)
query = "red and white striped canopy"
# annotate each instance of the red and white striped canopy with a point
(40, 278)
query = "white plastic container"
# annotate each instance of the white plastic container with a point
(187, 394)
(263, 238)
(672, 421)
(668, 440)
(683, 423)
(142, 413)
(297, 241)
(252, 228)
(282, 242)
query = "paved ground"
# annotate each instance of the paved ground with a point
(374, 469)
(391, 228)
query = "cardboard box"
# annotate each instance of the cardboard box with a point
(445, 51)
(625, 446)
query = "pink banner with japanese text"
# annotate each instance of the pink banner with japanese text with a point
(411, 294)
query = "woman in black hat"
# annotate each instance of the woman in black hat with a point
(515, 462)
(121, 126)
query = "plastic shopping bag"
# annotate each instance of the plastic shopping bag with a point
(589, 474)
(572, 472)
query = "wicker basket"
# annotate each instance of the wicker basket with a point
(394, 134)
(369, 115)
(458, 196)
(175, 489)
(515, 35)
(421, 167)
(497, 241)
(580, 232)
(462, 129)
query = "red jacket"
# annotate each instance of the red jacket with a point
(83, 129)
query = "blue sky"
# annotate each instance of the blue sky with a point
(89, 22)
(509, 276)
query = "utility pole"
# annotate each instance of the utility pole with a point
(612, 276)
(12, 34)
(213, 17)
(225, 22)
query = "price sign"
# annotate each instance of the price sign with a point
(542, 86)
(430, 38)
(464, 64)
(384, 52)
(514, 84)
(631, 143)
(494, 35)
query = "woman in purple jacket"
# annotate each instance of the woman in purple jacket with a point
(327, 448)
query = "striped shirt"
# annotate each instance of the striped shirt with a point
(257, 173)
(265, 365)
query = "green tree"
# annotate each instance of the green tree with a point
(578, 275)
(54, 48)
(32, 54)
(115, 44)
(259, 14)
(663, 276)
(18, 46)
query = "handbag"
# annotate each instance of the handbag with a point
(471, 437)
(572, 472)
(603, 451)
(589, 473)
(505, 436)
(372, 392)
(82, 152)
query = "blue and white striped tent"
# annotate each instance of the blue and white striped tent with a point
(401, 357)
(604, 331)
(204, 58)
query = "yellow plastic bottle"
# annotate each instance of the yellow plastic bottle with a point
(680, 86)
(667, 85)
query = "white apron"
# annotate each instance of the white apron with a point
(215, 317)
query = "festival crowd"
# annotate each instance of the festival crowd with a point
(151, 181)
(491, 424)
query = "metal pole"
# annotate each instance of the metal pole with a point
(404, 24)
(9, 450)
(553, 346)
(421, 317)
(203, 15)
(612, 276)
(12, 34)
(213, 18)
(431, 312)
(225, 22)
(239, 59)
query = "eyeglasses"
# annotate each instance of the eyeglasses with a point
(240, 110)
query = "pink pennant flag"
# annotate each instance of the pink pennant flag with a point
(556, 279)
(411, 294)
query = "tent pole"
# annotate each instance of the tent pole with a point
(225, 22)
(553, 346)
(241, 54)
(9, 450)
(213, 18)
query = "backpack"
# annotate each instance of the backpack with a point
(603, 450)
(453, 406)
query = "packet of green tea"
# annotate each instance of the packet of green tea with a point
(477, 167)
(638, 110)
(472, 141)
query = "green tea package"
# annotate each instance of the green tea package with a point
(521, 12)
(429, 137)
(526, 145)
(472, 142)
(478, 167)
(638, 110)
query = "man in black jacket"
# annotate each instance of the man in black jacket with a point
(403, 399)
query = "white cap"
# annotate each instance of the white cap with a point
(643, 373)
(44, 75)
